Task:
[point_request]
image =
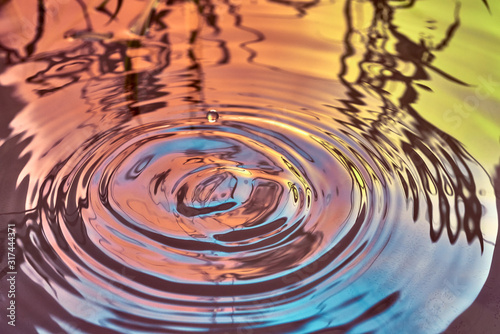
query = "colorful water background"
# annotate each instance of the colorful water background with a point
(90, 73)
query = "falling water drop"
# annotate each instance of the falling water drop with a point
(212, 116)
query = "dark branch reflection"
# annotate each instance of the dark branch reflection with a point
(381, 60)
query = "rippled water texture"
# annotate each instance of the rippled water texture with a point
(247, 166)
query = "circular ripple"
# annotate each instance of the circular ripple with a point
(244, 216)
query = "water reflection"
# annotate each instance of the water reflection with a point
(386, 63)
(319, 200)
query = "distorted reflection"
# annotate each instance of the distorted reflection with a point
(230, 166)
(387, 57)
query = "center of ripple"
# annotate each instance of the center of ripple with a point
(207, 187)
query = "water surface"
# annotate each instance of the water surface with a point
(248, 166)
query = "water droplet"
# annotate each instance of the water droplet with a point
(212, 116)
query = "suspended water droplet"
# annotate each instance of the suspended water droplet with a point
(212, 116)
